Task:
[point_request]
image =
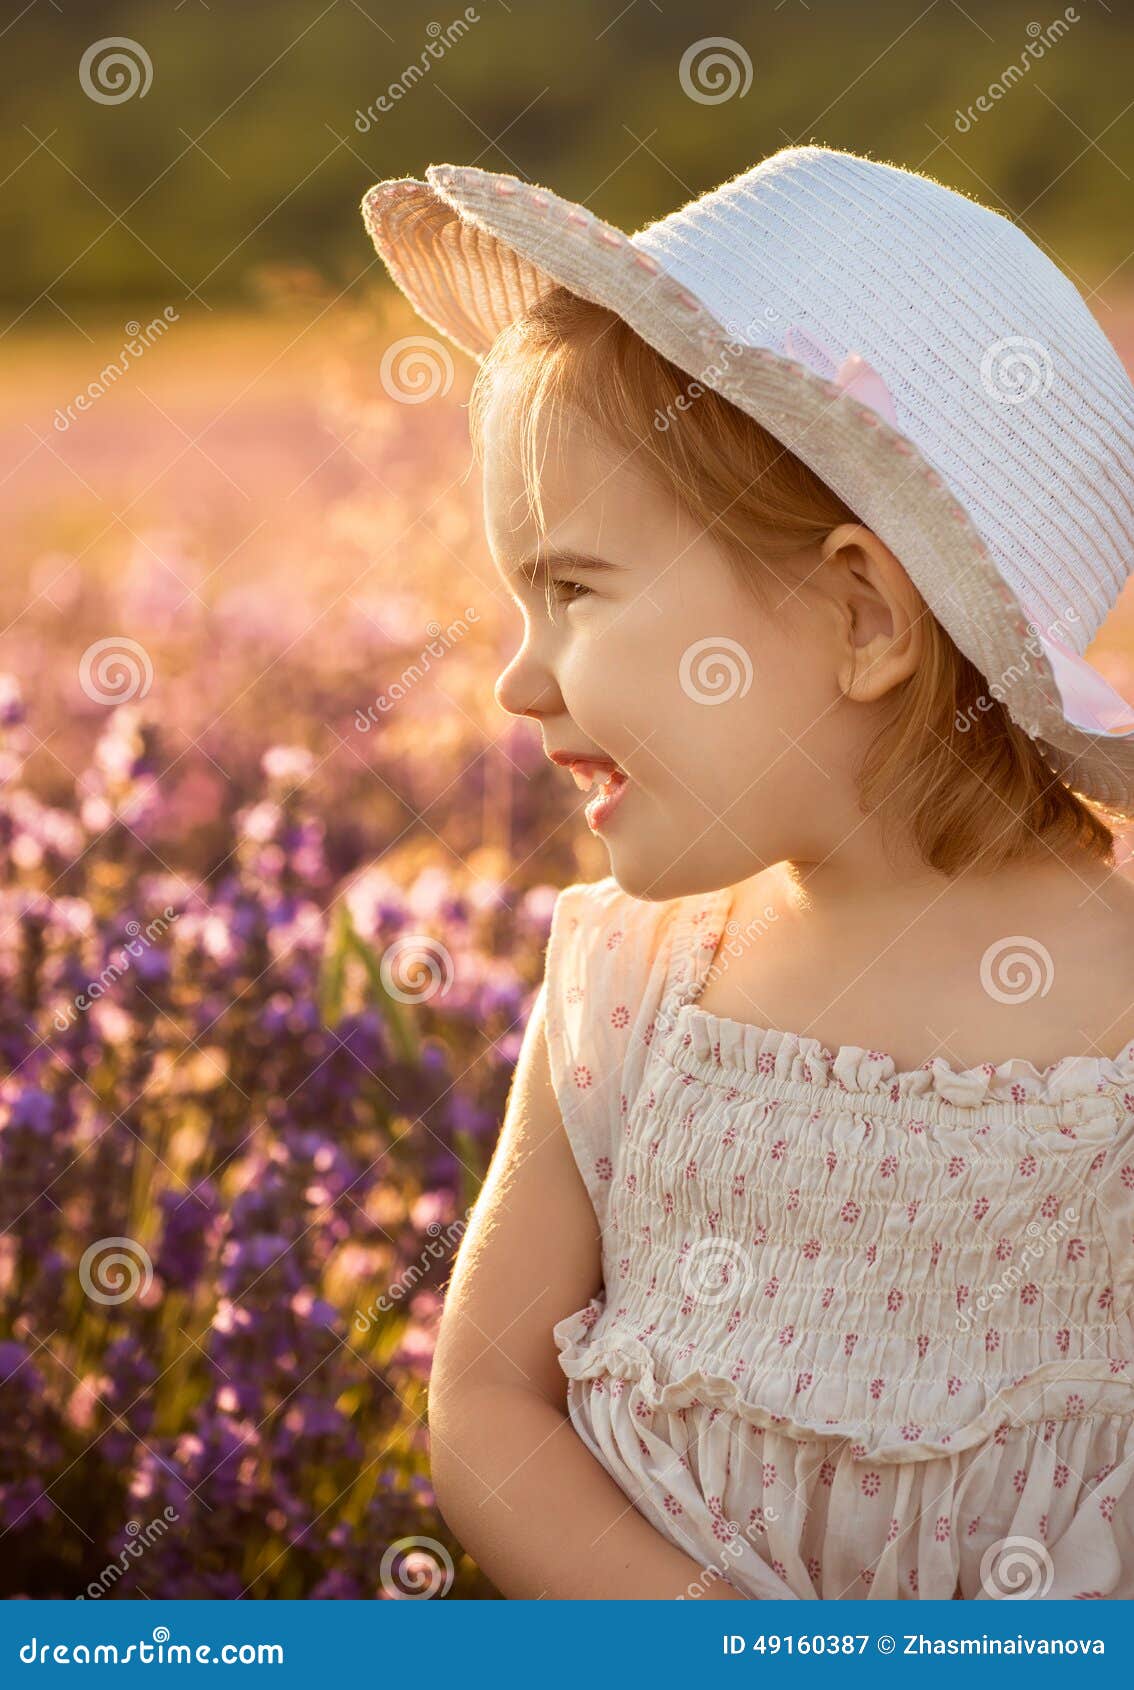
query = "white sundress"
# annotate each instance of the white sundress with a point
(862, 1333)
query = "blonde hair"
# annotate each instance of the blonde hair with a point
(949, 767)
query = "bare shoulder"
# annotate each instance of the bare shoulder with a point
(531, 1253)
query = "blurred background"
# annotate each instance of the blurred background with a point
(277, 872)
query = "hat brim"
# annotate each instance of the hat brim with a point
(473, 250)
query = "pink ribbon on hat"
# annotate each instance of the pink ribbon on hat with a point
(1089, 700)
(854, 375)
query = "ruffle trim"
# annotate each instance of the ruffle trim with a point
(1054, 1392)
(795, 1057)
(798, 1058)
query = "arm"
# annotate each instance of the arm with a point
(512, 1478)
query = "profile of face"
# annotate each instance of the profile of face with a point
(733, 723)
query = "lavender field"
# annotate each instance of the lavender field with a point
(277, 875)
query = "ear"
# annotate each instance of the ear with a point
(879, 611)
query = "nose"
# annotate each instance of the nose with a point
(526, 687)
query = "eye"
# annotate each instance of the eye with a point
(573, 590)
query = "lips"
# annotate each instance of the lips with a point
(586, 770)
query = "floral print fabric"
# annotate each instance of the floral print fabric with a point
(862, 1333)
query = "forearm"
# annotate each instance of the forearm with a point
(540, 1516)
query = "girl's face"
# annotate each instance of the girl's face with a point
(729, 721)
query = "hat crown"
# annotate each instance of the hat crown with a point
(998, 371)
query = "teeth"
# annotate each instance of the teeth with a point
(585, 775)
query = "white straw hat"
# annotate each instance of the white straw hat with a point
(915, 348)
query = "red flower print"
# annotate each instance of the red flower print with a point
(849, 1342)
(1061, 1475)
(922, 1346)
(1043, 1526)
(811, 1250)
(624, 1266)
(582, 1076)
(733, 1322)
(620, 1016)
(778, 1149)
(913, 1580)
(1075, 1403)
(850, 1211)
(871, 1484)
(911, 1433)
(894, 1300)
(667, 1202)
(1027, 1165)
(691, 1169)
(956, 1166)
(827, 1473)
(643, 1411)
(866, 1574)
(1000, 1436)
(912, 1208)
(728, 1137)
(828, 1296)
(1029, 1294)
(761, 1235)
(857, 1451)
(935, 1253)
(941, 1529)
(1126, 1172)
(887, 1167)
(1050, 1207)
(893, 1529)
(992, 1340)
(974, 1524)
(787, 1333)
(1106, 1297)
(953, 1384)
(738, 1185)
(613, 940)
(1063, 1340)
(980, 1208)
(768, 1474)
(1098, 1162)
(1106, 1506)
(1076, 1249)
(671, 1504)
(687, 1304)
(793, 1199)
(631, 1182)
(832, 1161)
(871, 1253)
(772, 1287)
(604, 1168)
(877, 1386)
(814, 1570)
(688, 1118)
(1003, 1249)
(802, 1381)
(1019, 1480)
(780, 1570)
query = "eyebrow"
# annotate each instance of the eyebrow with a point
(531, 568)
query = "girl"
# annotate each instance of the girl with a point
(812, 496)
